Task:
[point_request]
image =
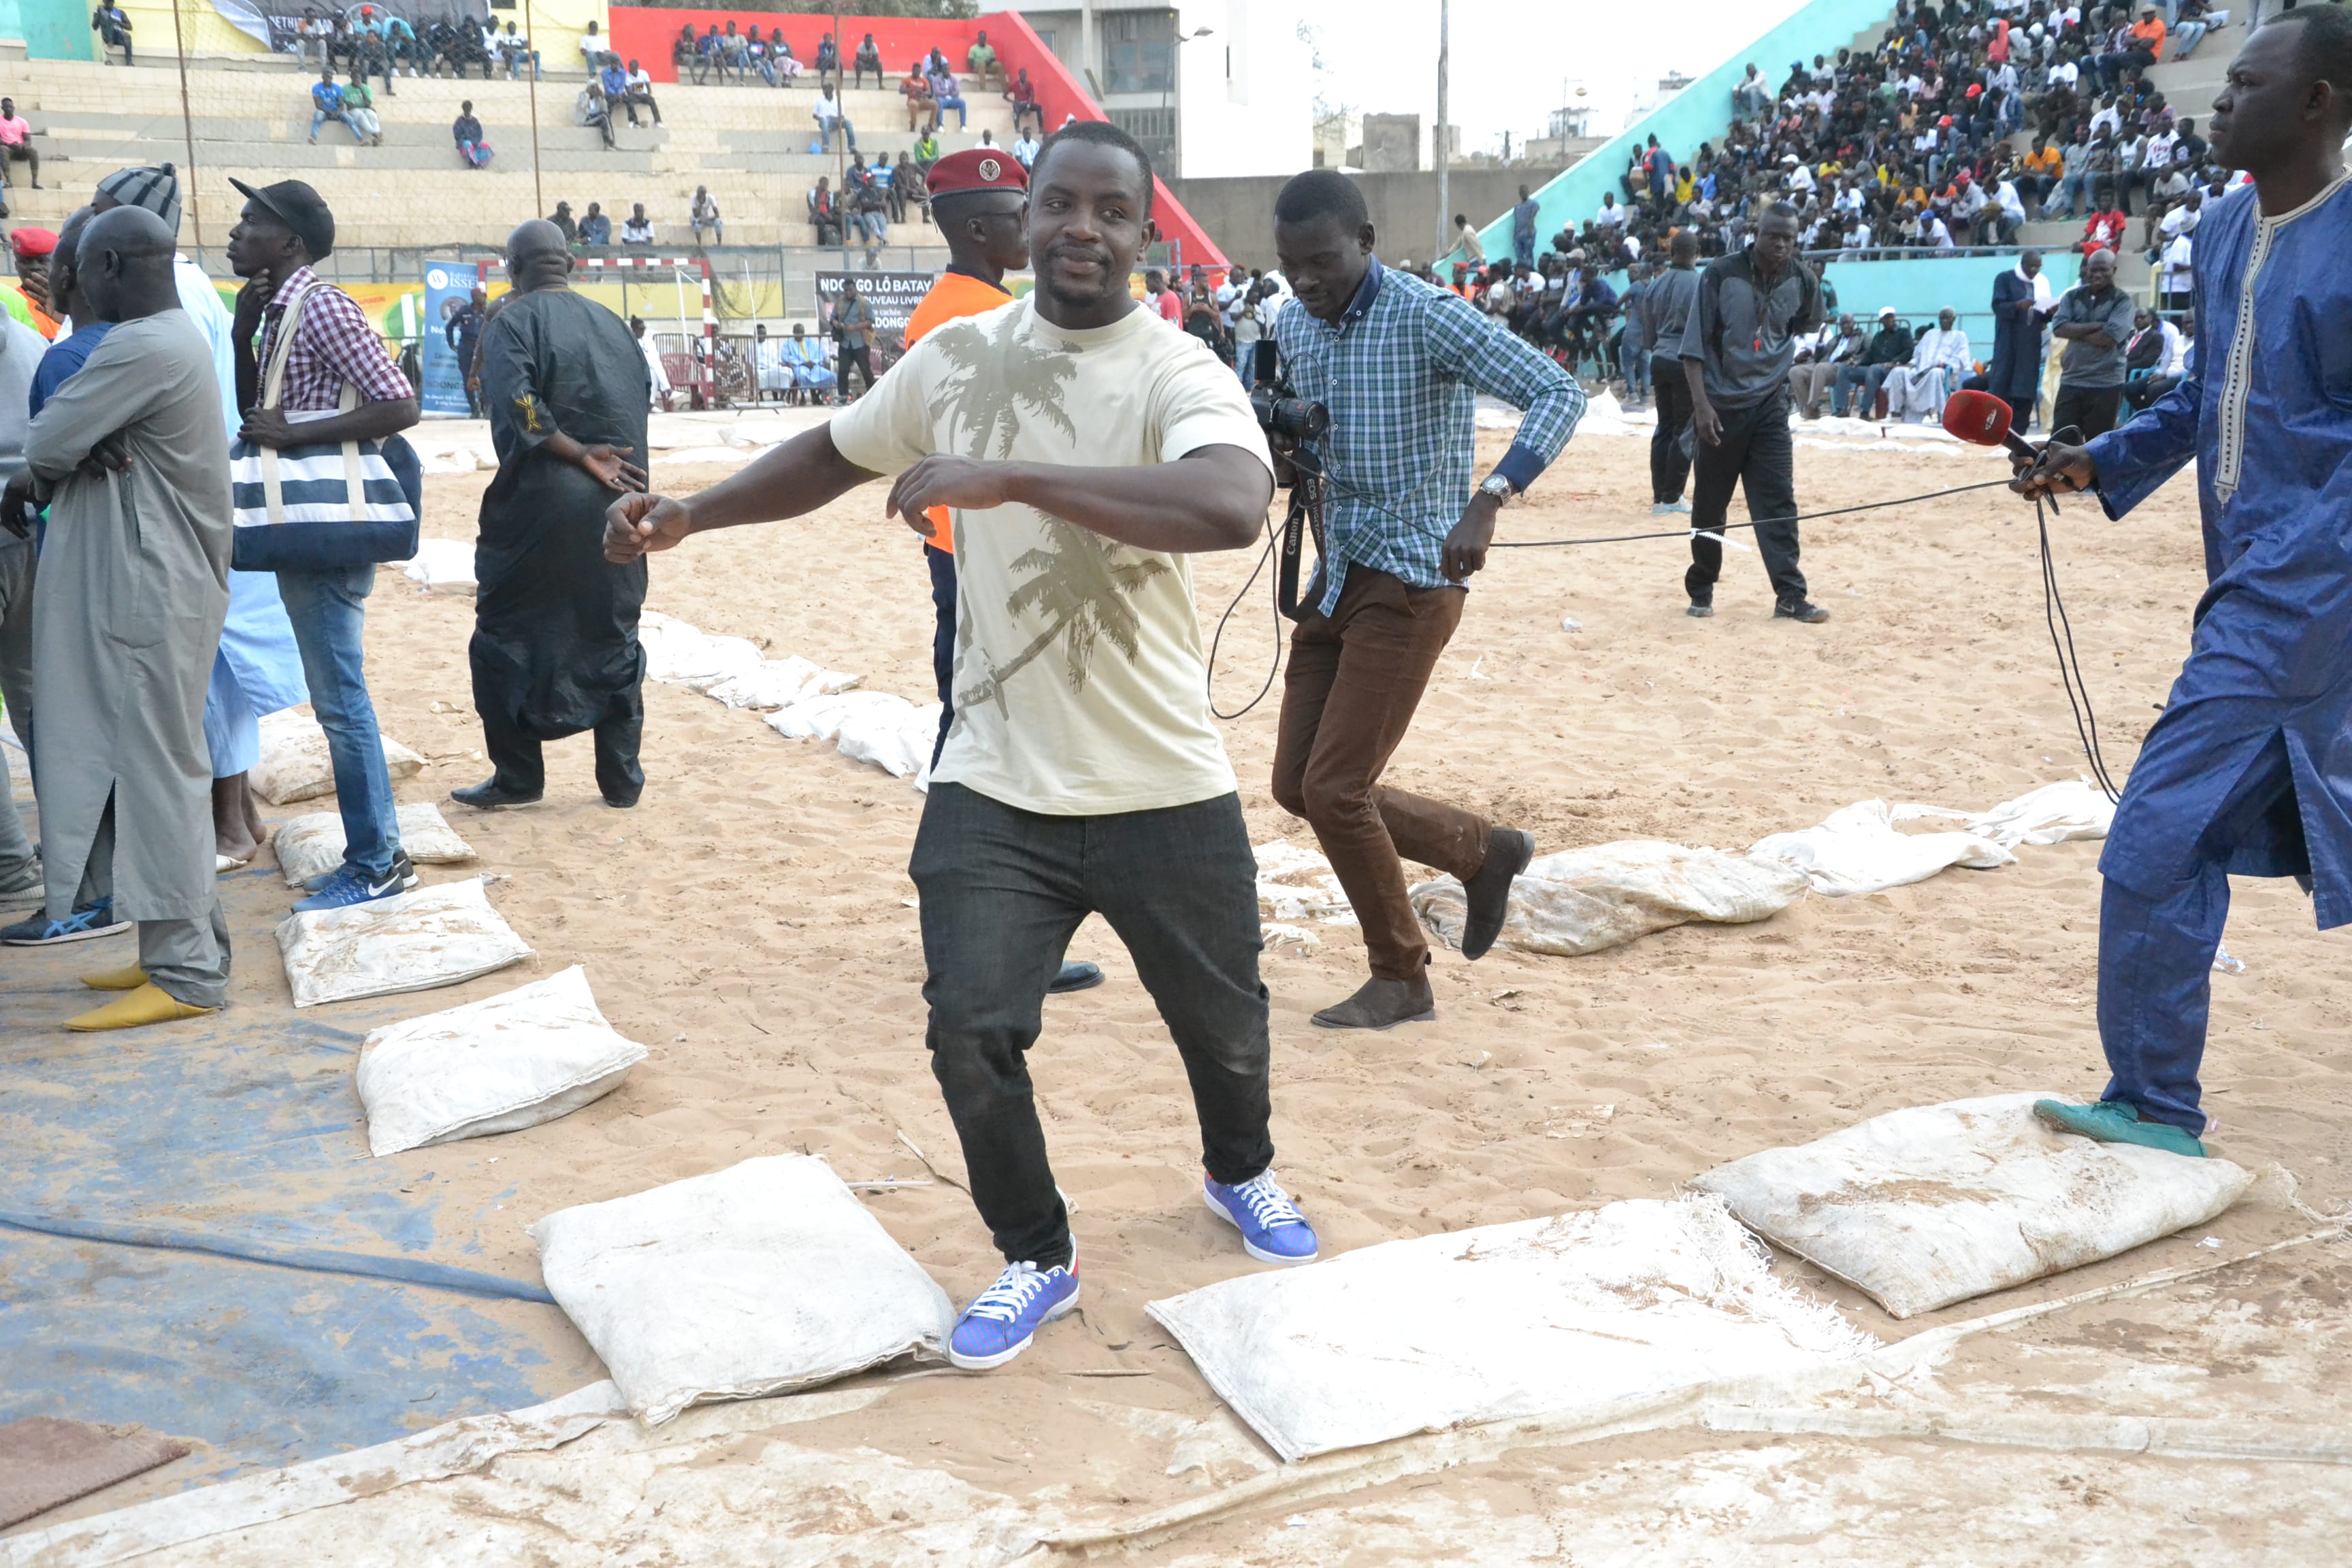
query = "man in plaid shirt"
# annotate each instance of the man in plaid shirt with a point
(1397, 360)
(283, 229)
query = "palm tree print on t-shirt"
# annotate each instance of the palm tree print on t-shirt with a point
(1079, 584)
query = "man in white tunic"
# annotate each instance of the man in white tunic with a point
(1939, 362)
(131, 456)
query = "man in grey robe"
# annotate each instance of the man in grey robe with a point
(132, 459)
(21, 349)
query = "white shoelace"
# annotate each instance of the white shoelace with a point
(1267, 1202)
(1003, 1301)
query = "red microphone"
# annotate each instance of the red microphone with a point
(1982, 420)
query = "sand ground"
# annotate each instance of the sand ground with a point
(753, 925)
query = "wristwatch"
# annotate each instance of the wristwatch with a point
(1495, 485)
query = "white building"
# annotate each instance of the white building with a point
(1211, 87)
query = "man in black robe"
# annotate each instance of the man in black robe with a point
(555, 627)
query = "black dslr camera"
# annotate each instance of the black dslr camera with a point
(1294, 418)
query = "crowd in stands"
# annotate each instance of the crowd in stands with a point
(376, 42)
(1917, 143)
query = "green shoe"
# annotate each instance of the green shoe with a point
(2117, 1121)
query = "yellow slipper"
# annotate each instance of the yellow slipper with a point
(150, 1004)
(130, 979)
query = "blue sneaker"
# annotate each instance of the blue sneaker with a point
(95, 919)
(1273, 1230)
(347, 888)
(1004, 1319)
(2118, 1121)
(400, 863)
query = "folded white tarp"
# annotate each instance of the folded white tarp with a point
(1935, 1204)
(1297, 884)
(899, 742)
(1858, 850)
(498, 1065)
(778, 683)
(1583, 900)
(443, 566)
(765, 1277)
(413, 941)
(295, 764)
(313, 844)
(821, 718)
(1540, 1317)
(2052, 815)
(676, 651)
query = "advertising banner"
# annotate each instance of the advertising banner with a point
(448, 286)
(891, 296)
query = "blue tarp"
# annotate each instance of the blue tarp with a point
(242, 1133)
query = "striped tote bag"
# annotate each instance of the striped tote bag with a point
(312, 508)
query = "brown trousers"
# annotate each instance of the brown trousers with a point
(1346, 700)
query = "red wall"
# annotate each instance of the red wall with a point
(646, 33)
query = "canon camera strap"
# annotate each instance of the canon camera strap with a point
(1304, 516)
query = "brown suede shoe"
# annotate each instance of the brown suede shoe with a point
(1508, 851)
(1383, 1004)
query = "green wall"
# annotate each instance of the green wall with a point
(52, 29)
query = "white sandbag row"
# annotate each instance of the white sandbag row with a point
(313, 844)
(1542, 1317)
(803, 701)
(507, 1062)
(1935, 1204)
(765, 1277)
(1587, 901)
(416, 941)
(295, 764)
(443, 566)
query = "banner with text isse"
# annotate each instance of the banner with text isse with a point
(448, 287)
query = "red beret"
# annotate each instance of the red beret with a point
(978, 169)
(32, 241)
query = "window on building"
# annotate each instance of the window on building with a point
(1139, 51)
(1155, 129)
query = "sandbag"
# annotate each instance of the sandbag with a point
(821, 718)
(1857, 850)
(676, 652)
(416, 941)
(778, 683)
(1542, 1317)
(443, 566)
(765, 1277)
(2076, 808)
(1297, 884)
(898, 741)
(1585, 900)
(498, 1065)
(313, 844)
(1924, 1207)
(295, 764)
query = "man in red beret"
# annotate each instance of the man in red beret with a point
(977, 199)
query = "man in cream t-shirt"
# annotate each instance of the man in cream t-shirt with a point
(1085, 448)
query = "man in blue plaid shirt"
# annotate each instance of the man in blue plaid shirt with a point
(1397, 360)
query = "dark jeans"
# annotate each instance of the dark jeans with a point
(1669, 469)
(943, 601)
(1002, 890)
(2090, 409)
(1755, 454)
(844, 358)
(1348, 697)
(515, 754)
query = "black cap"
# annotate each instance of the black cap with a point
(299, 208)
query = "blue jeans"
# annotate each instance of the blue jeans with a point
(955, 103)
(1636, 361)
(1866, 377)
(320, 117)
(328, 611)
(1002, 889)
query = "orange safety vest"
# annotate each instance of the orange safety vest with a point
(954, 296)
